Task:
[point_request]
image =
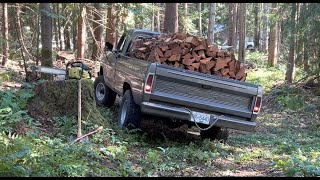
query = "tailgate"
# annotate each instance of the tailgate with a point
(204, 92)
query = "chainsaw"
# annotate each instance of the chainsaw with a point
(74, 70)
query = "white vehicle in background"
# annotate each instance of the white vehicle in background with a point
(249, 45)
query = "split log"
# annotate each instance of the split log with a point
(188, 52)
(192, 40)
(210, 65)
(241, 73)
(199, 47)
(188, 61)
(168, 53)
(221, 63)
(195, 65)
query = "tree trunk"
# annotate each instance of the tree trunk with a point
(111, 34)
(235, 25)
(157, 28)
(305, 52)
(171, 18)
(60, 37)
(256, 26)
(279, 36)
(117, 18)
(67, 37)
(81, 37)
(46, 38)
(162, 16)
(185, 16)
(230, 23)
(152, 18)
(38, 37)
(5, 33)
(74, 36)
(200, 20)
(273, 47)
(242, 32)
(265, 29)
(211, 23)
(20, 33)
(55, 30)
(66, 31)
(98, 30)
(299, 39)
(291, 61)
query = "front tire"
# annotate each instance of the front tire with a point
(104, 96)
(129, 112)
(215, 133)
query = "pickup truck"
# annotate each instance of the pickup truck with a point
(176, 96)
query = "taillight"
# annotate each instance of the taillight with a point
(148, 85)
(257, 105)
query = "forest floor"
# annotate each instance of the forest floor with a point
(286, 141)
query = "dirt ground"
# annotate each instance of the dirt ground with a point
(185, 135)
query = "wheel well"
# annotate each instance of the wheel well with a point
(101, 71)
(126, 86)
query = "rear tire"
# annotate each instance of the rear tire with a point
(215, 133)
(129, 112)
(104, 96)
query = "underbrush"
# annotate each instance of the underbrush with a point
(287, 140)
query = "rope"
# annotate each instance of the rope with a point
(204, 129)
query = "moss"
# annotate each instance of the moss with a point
(60, 98)
(46, 61)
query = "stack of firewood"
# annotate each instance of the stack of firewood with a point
(188, 52)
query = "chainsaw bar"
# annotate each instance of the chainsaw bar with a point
(47, 70)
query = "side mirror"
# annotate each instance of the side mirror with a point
(109, 46)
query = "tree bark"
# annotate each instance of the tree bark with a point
(306, 49)
(157, 28)
(46, 38)
(55, 29)
(185, 17)
(20, 32)
(273, 47)
(111, 34)
(211, 23)
(38, 36)
(152, 18)
(60, 37)
(264, 27)
(5, 33)
(242, 32)
(66, 31)
(235, 25)
(291, 61)
(256, 26)
(230, 23)
(171, 18)
(98, 30)
(299, 39)
(117, 18)
(81, 37)
(200, 20)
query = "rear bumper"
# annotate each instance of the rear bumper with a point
(183, 114)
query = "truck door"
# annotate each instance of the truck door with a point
(110, 67)
(128, 68)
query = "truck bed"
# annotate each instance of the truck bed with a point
(203, 93)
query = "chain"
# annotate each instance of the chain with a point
(204, 129)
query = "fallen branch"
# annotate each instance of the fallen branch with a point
(92, 132)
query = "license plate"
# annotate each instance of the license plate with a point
(201, 117)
